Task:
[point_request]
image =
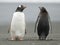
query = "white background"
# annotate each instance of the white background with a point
(48, 1)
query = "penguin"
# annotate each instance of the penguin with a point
(42, 24)
(18, 26)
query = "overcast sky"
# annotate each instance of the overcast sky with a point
(56, 1)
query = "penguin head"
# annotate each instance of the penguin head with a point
(20, 8)
(43, 10)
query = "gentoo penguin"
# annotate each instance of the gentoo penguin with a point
(42, 24)
(17, 28)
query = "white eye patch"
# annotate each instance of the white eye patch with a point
(19, 5)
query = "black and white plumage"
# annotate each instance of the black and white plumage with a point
(42, 24)
(17, 28)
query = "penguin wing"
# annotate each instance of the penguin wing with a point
(50, 23)
(36, 23)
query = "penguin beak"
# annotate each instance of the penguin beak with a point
(40, 8)
(25, 7)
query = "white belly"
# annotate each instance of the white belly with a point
(18, 24)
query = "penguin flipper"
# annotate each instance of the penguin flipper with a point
(50, 24)
(36, 23)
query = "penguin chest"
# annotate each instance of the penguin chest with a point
(18, 22)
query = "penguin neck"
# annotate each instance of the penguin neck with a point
(18, 11)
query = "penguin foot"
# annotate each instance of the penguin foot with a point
(12, 39)
(42, 38)
(19, 38)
